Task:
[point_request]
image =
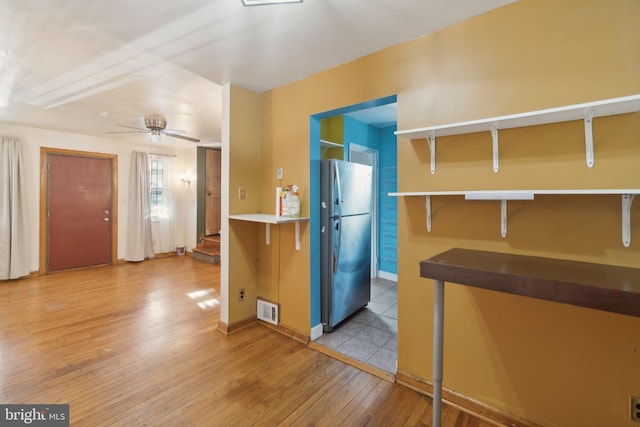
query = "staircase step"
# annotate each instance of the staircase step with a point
(212, 242)
(209, 251)
(203, 254)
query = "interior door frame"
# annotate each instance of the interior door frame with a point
(44, 199)
(207, 173)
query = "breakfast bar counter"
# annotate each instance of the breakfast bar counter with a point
(597, 286)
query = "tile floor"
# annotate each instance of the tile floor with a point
(370, 335)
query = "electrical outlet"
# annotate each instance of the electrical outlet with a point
(241, 193)
(280, 173)
(635, 408)
(241, 295)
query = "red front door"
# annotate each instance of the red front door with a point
(79, 211)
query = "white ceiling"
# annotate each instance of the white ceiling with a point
(89, 66)
(381, 116)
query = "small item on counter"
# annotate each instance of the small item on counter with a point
(293, 201)
(288, 202)
(278, 201)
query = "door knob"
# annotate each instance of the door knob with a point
(106, 212)
(106, 220)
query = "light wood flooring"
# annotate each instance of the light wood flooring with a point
(136, 345)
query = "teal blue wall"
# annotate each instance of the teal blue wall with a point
(314, 219)
(359, 133)
(388, 207)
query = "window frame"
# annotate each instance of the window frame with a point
(158, 189)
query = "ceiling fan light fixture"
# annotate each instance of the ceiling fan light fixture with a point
(156, 127)
(266, 2)
(153, 123)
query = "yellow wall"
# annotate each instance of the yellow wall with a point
(244, 167)
(553, 364)
(332, 130)
(284, 271)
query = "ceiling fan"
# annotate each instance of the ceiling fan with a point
(157, 127)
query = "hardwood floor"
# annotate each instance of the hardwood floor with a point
(136, 345)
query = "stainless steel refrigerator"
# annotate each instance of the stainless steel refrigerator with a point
(345, 206)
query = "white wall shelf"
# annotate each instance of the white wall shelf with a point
(326, 145)
(271, 219)
(586, 112)
(627, 196)
(329, 144)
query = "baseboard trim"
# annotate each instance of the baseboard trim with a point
(388, 276)
(155, 256)
(222, 327)
(387, 376)
(287, 330)
(466, 404)
(28, 276)
(316, 332)
(165, 254)
(235, 327)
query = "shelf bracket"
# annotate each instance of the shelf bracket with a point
(496, 156)
(627, 200)
(432, 152)
(427, 202)
(503, 218)
(588, 137)
(268, 233)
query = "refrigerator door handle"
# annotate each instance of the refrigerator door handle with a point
(336, 248)
(336, 175)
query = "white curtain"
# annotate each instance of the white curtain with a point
(14, 231)
(139, 238)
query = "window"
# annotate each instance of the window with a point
(158, 188)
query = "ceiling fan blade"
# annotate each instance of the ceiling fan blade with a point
(131, 127)
(130, 131)
(181, 137)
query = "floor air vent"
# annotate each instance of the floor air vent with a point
(268, 311)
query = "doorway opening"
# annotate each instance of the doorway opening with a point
(362, 133)
(209, 203)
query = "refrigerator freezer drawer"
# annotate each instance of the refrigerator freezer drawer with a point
(346, 279)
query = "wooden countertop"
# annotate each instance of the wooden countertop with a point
(598, 286)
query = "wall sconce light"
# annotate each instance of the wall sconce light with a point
(187, 178)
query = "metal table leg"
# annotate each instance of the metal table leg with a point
(438, 333)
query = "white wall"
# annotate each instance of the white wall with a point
(34, 138)
(187, 200)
